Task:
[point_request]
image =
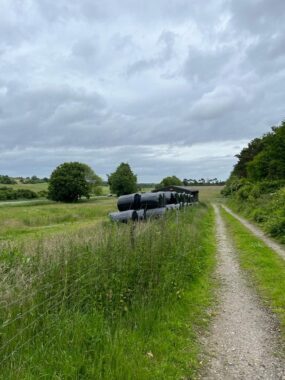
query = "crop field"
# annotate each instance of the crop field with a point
(83, 298)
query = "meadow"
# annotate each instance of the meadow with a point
(38, 218)
(83, 298)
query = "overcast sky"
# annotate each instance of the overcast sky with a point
(170, 86)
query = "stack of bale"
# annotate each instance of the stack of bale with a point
(138, 207)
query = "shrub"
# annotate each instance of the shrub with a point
(43, 194)
(7, 194)
(26, 194)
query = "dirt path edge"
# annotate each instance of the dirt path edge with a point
(243, 342)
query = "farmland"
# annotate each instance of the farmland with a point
(37, 219)
(82, 297)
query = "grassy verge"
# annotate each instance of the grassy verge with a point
(264, 266)
(121, 303)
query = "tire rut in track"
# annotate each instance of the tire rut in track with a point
(243, 340)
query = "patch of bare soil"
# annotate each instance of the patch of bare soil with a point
(243, 341)
(257, 232)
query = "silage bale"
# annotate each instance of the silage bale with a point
(124, 216)
(129, 202)
(152, 200)
(155, 213)
(141, 214)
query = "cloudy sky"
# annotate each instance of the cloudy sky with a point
(170, 86)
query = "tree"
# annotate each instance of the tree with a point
(170, 181)
(70, 181)
(263, 158)
(123, 180)
(247, 155)
(94, 180)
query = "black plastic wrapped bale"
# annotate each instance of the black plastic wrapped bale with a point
(181, 197)
(129, 202)
(141, 214)
(155, 213)
(152, 200)
(124, 216)
(170, 197)
(170, 207)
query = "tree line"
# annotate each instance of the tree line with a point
(71, 181)
(263, 158)
(256, 186)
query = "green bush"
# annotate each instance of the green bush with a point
(43, 194)
(264, 203)
(25, 194)
(7, 194)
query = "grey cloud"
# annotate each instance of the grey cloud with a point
(216, 103)
(195, 75)
(207, 64)
(258, 16)
(165, 44)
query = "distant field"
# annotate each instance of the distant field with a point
(29, 186)
(208, 193)
(22, 219)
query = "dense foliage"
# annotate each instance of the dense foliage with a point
(71, 181)
(123, 180)
(170, 181)
(8, 194)
(6, 180)
(263, 158)
(256, 186)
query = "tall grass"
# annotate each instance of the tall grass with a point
(119, 303)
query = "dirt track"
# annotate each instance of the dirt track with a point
(243, 341)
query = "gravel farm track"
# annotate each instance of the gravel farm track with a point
(243, 341)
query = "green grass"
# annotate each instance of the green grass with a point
(33, 218)
(208, 193)
(264, 266)
(109, 303)
(29, 186)
(44, 186)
